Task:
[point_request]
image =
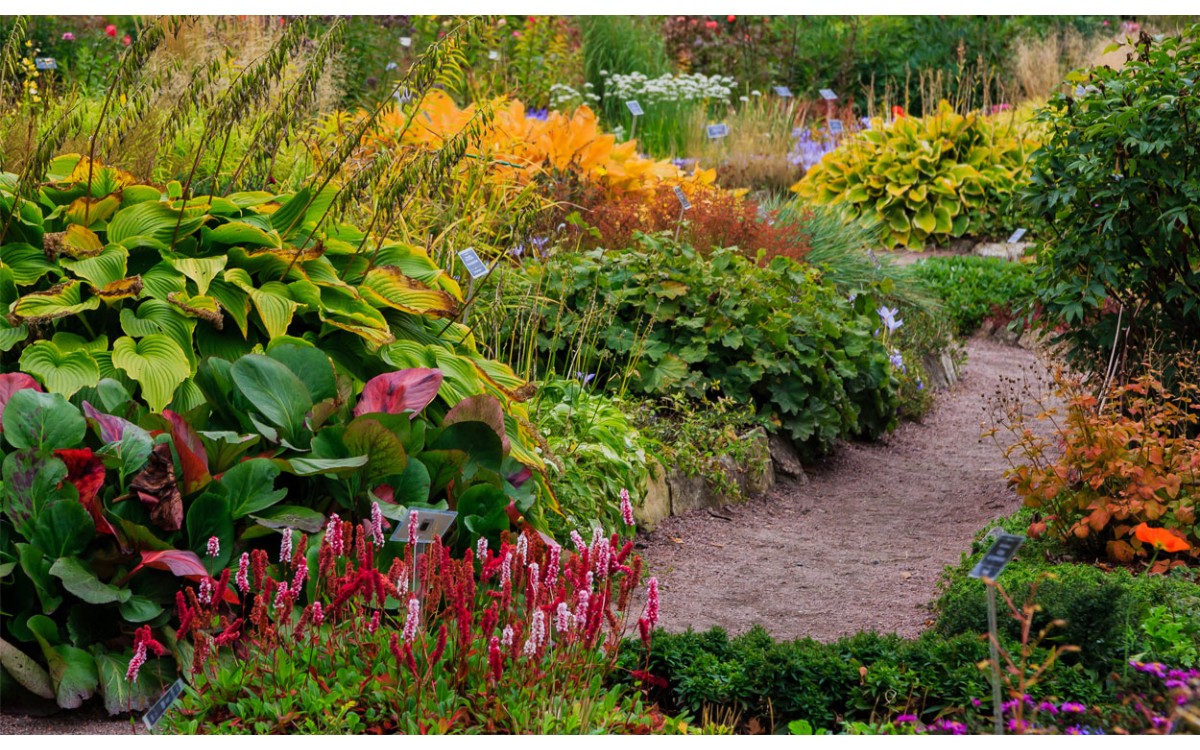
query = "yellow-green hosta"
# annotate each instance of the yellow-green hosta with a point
(926, 180)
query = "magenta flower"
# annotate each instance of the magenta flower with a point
(318, 613)
(243, 574)
(626, 508)
(373, 625)
(577, 540)
(652, 602)
(214, 546)
(522, 547)
(68, 37)
(334, 535)
(412, 528)
(414, 616)
(301, 575)
(376, 524)
(285, 546)
(506, 637)
(281, 595)
(206, 591)
(481, 549)
(563, 618)
(906, 719)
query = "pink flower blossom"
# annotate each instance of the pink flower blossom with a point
(534, 571)
(110, 30)
(412, 528)
(581, 607)
(626, 508)
(506, 637)
(563, 618)
(506, 569)
(285, 546)
(301, 575)
(376, 524)
(334, 535)
(522, 547)
(481, 547)
(652, 602)
(281, 596)
(68, 37)
(603, 554)
(206, 591)
(577, 540)
(373, 625)
(318, 613)
(243, 574)
(552, 563)
(126, 40)
(214, 546)
(135, 663)
(413, 619)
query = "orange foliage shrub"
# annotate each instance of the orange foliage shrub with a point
(1128, 475)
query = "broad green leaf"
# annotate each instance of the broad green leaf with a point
(250, 487)
(120, 695)
(139, 609)
(242, 233)
(156, 362)
(77, 578)
(72, 670)
(274, 391)
(274, 304)
(310, 364)
(27, 263)
(384, 450)
(37, 567)
(161, 281)
(200, 270)
(57, 302)
(101, 269)
(60, 371)
(154, 220)
(63, 529)
(291, 517)
(305, 467)
(389, 286)
(208, 516)
(42, 421)
(26, 671)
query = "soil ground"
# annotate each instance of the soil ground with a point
(861, 545)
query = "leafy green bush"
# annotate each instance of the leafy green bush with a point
(659, 318)
(593, 453)
(1106, 612)
(1116, 183)
(973, 288)
(927, 180)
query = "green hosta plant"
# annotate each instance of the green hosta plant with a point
(927, 180)
(105, 502)
(130, 283)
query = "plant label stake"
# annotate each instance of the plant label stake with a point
(405, 41)
(990, 566)
(159, 709)
(1017, 235)
(431, 524)
(684, 205)
(45, 63)
(828, 95)
(835, 127)
(830, 98)
(717, 131)
(474, 265)
(636, 110)
(783, 92)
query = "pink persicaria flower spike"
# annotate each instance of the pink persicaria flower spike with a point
(577, 540)
(243, 574)
(552, 562)
(318, 613)
(214, 546)
(412, 528)
(626, 508)
(563, 618)
(68, 37)
(376, 524)
(135, 664)
(300, 577)
(534, 577)
(373, 625)
(285, 546)
(581, 608)
(411, 622)
(281, 595)
(506, 569)
(334, 535)
(206, 591)
(506, 637)
(481, 549)
(522, 547)
(652, 602)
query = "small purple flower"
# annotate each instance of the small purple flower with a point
(391, 66)
(1071, 707)
(906, 719)
(1047, 707)
(976, 702)
(585, 377)
(920, 385)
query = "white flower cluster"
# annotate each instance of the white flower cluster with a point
(668, 88)
(563, 96)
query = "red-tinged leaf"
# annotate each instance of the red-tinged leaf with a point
(86, 472)
(400, 391)
(112, 429)
(10, 383)
(481, 408)
(193, 459)
(182, 563)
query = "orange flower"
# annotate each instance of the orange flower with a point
(1161, 539)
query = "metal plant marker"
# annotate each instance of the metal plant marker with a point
(431, 524)
(160, 707)
(998, 556)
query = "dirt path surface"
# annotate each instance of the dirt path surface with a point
(862, 544)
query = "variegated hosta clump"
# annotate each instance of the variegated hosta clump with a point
(103, 276)
(927, 180)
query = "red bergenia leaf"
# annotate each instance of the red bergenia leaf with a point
(480, 408)
(10, 383)
(400, 391)
(182, 563)
(193, 459)
(86, 472)
(112, 428)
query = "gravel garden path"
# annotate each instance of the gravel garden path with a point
(862, 544)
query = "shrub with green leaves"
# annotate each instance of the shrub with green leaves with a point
(659, 318)
(927, 180)
(973, 287)
(1116, 185)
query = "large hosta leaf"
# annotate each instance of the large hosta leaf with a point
(273, 390)
(155, 316)
(100, 269)
(154, 220)
(346, 310)
(58, 301)
(156, 362)
(243, 233)
(391, 287)
(60, 371)
(200, 270)
(27, 263)
(273, 302)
